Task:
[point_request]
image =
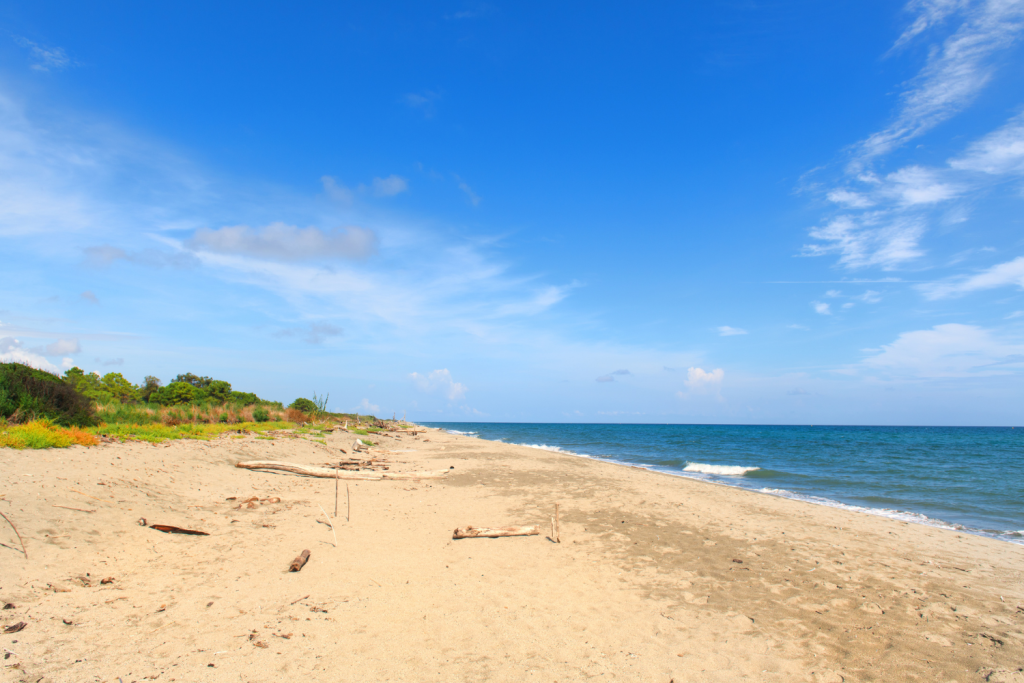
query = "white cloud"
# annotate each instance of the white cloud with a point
(474, 199)
(929, 14)
(1001, 151)
(90, 297)
(46, 58)
(282, 242)
(871, 240)
(336, 191)
(389, 187)
(315, 333)
(697, 378)
(11, 351)
(67, 363)
(1001, 275)
(439, 381)
(1015, 314)
(540, 302)
(795, 326)
(869, 297)
(918, 185)
(62, 347)
(821, 308)
(726, 331)
(610, 377)
(955, 72)
(950, 350)
(367, 408)
(852, 199)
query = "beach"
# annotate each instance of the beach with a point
(656, 577)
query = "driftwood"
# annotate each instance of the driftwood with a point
(298, 563)
(495, 532)
(167, 529)
(24, 552)
(331, 473)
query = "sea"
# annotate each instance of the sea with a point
(965, 478)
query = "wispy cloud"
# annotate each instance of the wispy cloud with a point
(999, 152)
(282, 242)
(1006, 274)
(474, 199)
(389, 187)
(315, 333)
(821, 308)
(950, 350)
(726, 331)
(424, 101)
(90, 297)
(610, 377)
(45, 58)
(954, 74)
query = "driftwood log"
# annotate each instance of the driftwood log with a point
(495, 532)
(331, 473)
(299, 562)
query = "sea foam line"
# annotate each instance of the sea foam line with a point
(725, 470)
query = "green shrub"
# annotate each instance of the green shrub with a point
(260, 414)
(28, 394)
(223, 418)
(305, 405)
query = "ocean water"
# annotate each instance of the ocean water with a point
(969, 478)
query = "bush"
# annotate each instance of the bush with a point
(28, 394)
(44, 434)
(260, 414)
(223, 418)
(305, 405)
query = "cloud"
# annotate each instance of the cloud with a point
(335, 191)
(697, 378)
(949, 350)
(63, 347)
(316, 333)
(440, 381)
(104, 255)
(610, 377)
(367, 408)
(110, 362)
(281, 242)
(869, 297)
(849, 198)
(955, 72)
(726, 331)
(90, 297)
(797, 327)
(918, 185)
(389, 187)
(45, 58)
(424, 101)
(1001, 275)
(474, 199)
(870, 240)
(11, 351)
(999, 152)
(821, 308)
(1015, 314)
(541, 301)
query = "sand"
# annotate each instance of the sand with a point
(657, 578)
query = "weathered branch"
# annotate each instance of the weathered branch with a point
(331, 473)
(298, 563)
(495, 532)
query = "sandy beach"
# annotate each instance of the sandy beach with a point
(657, 578)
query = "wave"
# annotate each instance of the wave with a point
(724, 470)
(456, 431)
(553, 449)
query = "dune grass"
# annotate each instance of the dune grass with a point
(44, 434)
(158, 432)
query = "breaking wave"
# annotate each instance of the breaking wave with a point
(722, 470)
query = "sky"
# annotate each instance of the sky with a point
(751, 212)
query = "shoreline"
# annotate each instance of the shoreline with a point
(1015, 536)
(656, 578)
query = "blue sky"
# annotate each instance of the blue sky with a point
(734, 212)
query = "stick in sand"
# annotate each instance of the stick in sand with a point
(348, 501)
(558, 526)
(331, 523)
(336, 492)
(17, 532)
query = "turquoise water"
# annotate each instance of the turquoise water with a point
(969, 478)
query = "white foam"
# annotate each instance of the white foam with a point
(724, 470)
(553, 449)
(456, 431)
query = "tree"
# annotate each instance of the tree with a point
(305, 405)
(119, 388)
(195, 380)
(149, 385)
(174, 394)
(219, 391)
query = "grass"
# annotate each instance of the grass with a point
(156, 433)
(44, 434)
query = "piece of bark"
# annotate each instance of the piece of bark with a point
(495, 532)
(330, 473)
(299, 562)
(16, 627)
(176, 530)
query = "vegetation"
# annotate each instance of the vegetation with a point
(42, 410)
(27, 394)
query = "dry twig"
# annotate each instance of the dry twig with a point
(17, 532)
